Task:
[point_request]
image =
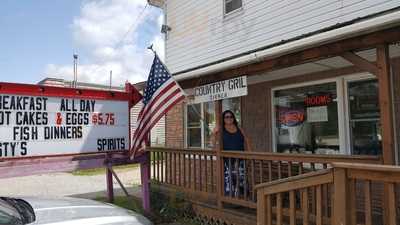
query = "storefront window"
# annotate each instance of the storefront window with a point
(209, 125)
(194, 125)
(365, 130)
(200, 122)
(306, 119)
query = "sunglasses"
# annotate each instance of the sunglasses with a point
(228, 117)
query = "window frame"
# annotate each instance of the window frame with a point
(233, 11)
(343, 107)
(346, 81)
(186, 127)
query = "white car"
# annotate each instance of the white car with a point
(65, 211)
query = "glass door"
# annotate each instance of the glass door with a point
(364, 117)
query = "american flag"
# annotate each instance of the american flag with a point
(160, 95)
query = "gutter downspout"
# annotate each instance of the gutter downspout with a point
(329, 36)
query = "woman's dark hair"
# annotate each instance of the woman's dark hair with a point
(234, 118)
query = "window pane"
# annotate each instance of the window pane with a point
(231, 5)
(194, 137)
(366, 137)
(363, 99)
(193, 126)
(194, 115)
(209, 122)
(365, 128)
(307, 119)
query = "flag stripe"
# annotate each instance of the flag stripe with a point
(148, 109)
(145, 122)
(164, 88)
(150, 112)
(150, 124)
(150, 116)
(158, 117)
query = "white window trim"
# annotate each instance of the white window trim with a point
(342, 101)
(346, 80)
(201, 126)
(339, 100)
(228, 15)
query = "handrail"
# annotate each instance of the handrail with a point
(332, 189)
(297, 182)
(309, 189)
(369, 167)
(308, 158)
(187, 150)
(304, 157)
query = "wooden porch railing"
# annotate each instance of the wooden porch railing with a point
(195, 171)
(187, 170)
(342, 195)
(268, 167)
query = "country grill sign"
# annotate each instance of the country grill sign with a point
(37, 125)
(221, 90)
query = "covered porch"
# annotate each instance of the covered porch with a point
(326, 171)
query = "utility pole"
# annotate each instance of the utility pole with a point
(110, 79)
(74, 83)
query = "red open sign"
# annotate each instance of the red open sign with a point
(291, 118)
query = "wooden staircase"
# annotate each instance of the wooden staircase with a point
(346, 194)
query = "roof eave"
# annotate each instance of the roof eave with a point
(156, 3)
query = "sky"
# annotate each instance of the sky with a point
(39, 37)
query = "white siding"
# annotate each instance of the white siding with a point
(158, 134)
(201, 34)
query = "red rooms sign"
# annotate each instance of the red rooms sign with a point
(318, 100)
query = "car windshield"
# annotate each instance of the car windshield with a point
(15, 211)
(8, 214)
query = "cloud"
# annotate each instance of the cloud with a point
(111, 37)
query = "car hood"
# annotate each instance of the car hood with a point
(66, 211)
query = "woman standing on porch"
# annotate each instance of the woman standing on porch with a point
(233, 139)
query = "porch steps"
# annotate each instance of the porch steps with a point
(212, 215)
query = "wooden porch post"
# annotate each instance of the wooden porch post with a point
(385, 103)
(382, 71)
(145, 178)
(110, 188)
(218, 148)
(261, 209)
(340, 196)
(109, 180)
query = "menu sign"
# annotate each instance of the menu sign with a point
(36, 125)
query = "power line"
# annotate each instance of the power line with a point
(135, 23)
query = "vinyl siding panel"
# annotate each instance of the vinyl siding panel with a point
(201, 34)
